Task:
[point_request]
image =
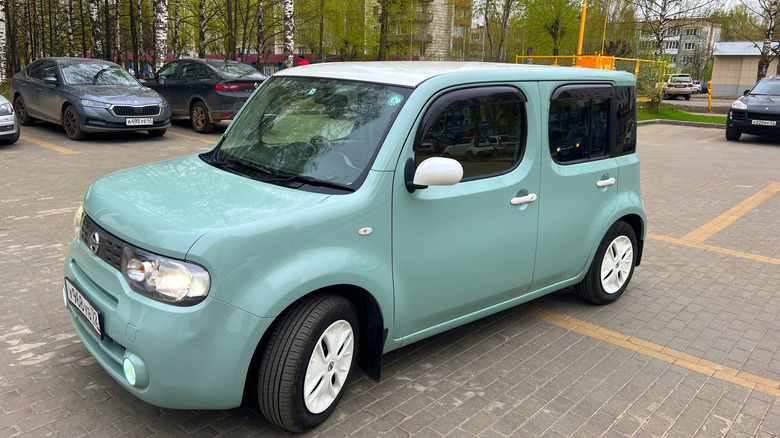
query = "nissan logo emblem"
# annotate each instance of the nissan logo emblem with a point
(94, 242)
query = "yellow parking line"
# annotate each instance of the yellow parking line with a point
(707, 140)
(709, 229)
(205, 140)
(685, 360)
(59, 149)
(731, 252)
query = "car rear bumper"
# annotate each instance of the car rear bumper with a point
(674, 91)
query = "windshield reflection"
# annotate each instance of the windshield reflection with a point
(96, 74)
(311, 132)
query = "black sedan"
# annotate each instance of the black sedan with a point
(87, 95)
(205, 90)
(757, 112)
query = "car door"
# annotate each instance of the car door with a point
(49, 95)
(463, 248)
(29, 85)
(161, 84)
(578, 176)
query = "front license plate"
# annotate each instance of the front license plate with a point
(764, 122)
(84, 306)
(139, 121)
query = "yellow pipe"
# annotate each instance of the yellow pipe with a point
(582, 27)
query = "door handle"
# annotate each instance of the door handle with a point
(605, 182)
(523, 199)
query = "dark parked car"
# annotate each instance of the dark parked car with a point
(87, 95)
(757, 112)
(206, 90)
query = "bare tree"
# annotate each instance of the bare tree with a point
(176, 22)
(97, 29)
(3, 66)
(661, 17)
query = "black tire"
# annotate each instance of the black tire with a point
(469, 156)
(199, 117)
(70, 121)
(612, 266)
(732, 134)
(156, 132)
(687, 97)
(21, 112)
(281, 389)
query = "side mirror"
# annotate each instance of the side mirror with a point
(51, 80)
(745, 93)
(434, 171)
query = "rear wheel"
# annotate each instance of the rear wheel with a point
(306, 362)
(199, 116)
(612, 267)
(732, 134)
(70, 121)
(21, 112)
(687, 97)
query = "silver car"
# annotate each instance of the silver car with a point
(9, 126)
(87, 95)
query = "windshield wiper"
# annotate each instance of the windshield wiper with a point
(308, 180)
(246, 164)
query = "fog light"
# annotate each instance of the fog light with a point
(135, 371)
(129, 372)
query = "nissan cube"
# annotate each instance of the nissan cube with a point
(323, 230)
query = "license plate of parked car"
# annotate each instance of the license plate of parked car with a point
(80, 302)
(765, 122)
(139, 121)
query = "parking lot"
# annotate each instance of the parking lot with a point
(691, 349)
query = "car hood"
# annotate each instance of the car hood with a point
(166, 207)
(117, 94)
(762, 103)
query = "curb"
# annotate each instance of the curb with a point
(681, 123)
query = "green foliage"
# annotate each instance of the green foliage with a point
(667, 113)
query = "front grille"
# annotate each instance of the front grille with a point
(135, 111)
(738, 115)
(104, 244)
(764, 116)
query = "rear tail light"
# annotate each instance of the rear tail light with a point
(231, 87)
(670, 85)
(690, 85)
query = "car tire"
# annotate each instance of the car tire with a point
(70, 121)
(306, 362)
(21, 112)
(612, 266)
(732, 134)
(687, 97)
(156, 132)
(199, 117)
(469, 156)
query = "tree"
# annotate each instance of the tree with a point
(97, 29)
(160, 33)
(289, 32)
(660, 17)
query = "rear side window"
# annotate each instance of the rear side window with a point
(483, 128)
(590, 122)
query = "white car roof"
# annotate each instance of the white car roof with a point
(413, 73)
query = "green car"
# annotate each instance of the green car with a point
(324, 230)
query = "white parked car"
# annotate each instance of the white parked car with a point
(470, 148)
(9, 126)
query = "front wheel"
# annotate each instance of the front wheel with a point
(732, 134)
(612, 266)
(70, 121)
(306, 362)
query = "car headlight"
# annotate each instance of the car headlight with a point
(6, 109)
(164, 279)
(95, 104)
(77, 220)
(738, 104)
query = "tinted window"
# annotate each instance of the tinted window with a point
(481, 128)
(625, 99)
(168, 70)
(35, 70)
(232, 68)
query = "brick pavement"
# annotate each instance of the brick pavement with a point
(511, 374)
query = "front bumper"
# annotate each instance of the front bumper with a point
(193, 357)
(9, 128)
(753, 122)
(102, 120)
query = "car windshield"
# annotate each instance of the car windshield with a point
(310, 132)
(767, 88)
(235, 68)
(85, 73)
